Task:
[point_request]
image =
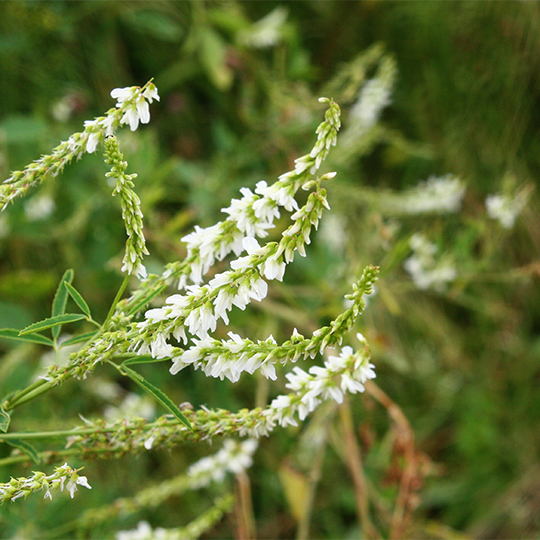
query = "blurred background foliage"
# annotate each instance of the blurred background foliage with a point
(460, 363)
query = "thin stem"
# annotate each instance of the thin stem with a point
(354, 462)
(44, 457)
(26, 394)
(50, 434)
(403, 508)
(116, 300)
(244, 509)
(314, 477)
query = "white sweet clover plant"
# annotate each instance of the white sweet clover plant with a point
(181, 328)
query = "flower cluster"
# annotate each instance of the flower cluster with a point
(39, 207)
(63, 476)
(505, 208)
(191, 531)
(372, 98)
(234, 457)
(132, 107)
(347, 372)
(230, 358)
(266, 32)
(344, 373)
(426, 270)
(83, 361)
(199, 310)
(131, 208)
(254, 214)
(437, 195)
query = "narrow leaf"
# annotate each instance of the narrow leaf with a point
(79, 339)
(28, 449)
(143, 359)
(4, 420)
(60, 299)
(52, 322)
(156, 393)
(11, 333)
(79, 300)
(146, 300)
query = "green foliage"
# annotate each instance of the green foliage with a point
(459, 365)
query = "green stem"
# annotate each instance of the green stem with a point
(116, 300)
(20, 397)
(44, 457)
(49, 434)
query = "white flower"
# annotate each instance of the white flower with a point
(222, 304)
(268, 370)
(274, 268)
(201, 320)
(151, 93)
(131, 117)
(142, 532)
(425, 269)
(241, 212)
(74, 481)
(373, 98)
(233, 457)
(122, 94)
(93, 137)
(160, 348)
(505, 208)
(107, 124)
(267, 31)
(137, 109)
(40, 207)
(298, 378)
(281, 195)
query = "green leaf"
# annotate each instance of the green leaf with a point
(79, 339)
(214, 58)
(4, 420)
(60, 299)
(147, 299)
(155, 24)
(79, 300)
(155, 392)
(143, 359)
(28, 449)
(51, 322)
(11, 333)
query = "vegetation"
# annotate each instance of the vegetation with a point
(437, 160)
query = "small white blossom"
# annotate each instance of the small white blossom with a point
(267, 31)
(75, 481)
(506, 208)
(426, 270)
(437, 195)
(233, 457)
(23, 487)
(39, 207)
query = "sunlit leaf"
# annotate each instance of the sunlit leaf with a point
(4, 420)
(51, 322)
(82, 338)
(60, 299)
(11, 333)
(156, 393)
(28, 449)
(79, 300)
(143, 359)
(146, 300)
